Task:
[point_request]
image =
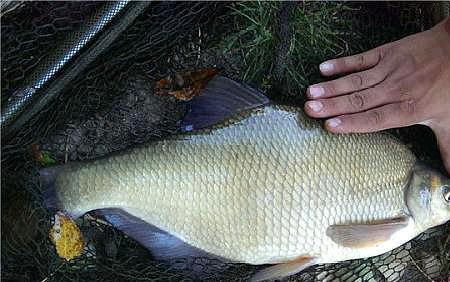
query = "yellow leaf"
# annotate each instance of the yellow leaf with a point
(66, 236)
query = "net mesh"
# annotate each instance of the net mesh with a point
(110, 107)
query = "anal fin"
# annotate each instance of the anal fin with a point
(161, 244)
(284, 269)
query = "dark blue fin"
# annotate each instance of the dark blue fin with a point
(161, 244)
(221, 99)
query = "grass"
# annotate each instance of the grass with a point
(253, 40)
(316, 33)
(319, 34)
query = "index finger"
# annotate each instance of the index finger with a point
(353, 63)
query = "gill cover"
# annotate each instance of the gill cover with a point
(428, 197)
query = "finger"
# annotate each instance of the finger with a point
(388, 116)
(350, 103)
(353, 63)
(347, 84)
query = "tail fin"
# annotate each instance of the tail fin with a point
(47, 177)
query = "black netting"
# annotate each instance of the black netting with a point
(30, 33)
(110, 107)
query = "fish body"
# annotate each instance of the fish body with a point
(263, 187)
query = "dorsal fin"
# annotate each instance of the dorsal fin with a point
(221, 99)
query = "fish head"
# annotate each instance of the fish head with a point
(428, 197)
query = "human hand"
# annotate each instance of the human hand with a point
(398, 84)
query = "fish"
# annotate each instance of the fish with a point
(251, 181)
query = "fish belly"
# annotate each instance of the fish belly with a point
(262, 188)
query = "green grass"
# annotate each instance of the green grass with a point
(254, 39)
(317, 34)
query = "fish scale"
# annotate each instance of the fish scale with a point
(261, 188)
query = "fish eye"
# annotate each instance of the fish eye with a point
(446, 194)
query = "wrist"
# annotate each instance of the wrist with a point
(447, 25)
(441, 37)
(442, 29)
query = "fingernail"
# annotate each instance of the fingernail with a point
(316, 91)
(334, 122)
(315, 105)
(326, 67)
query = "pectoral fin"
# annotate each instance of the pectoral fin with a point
(284, 269)
(366, 235)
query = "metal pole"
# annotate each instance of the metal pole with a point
(71, 58)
